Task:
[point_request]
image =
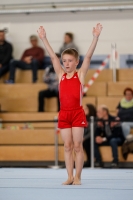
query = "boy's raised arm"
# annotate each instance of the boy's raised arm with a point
(55, 60)
(84, 68)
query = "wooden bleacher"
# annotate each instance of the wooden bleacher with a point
(97, 89)
(25, 76)
(19, 102)
(24, 97)
(110, 102)
(29, 116)
(105, 76)
(27, 144)
(26, 104)
(125, 75)
(116, 89)
(106, 153)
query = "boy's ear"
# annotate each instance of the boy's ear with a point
(77, 61)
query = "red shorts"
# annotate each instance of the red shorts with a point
(72, 118)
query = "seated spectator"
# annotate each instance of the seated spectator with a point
(51, 79)
(5, 54)
(68, 42)
(32, 58)
(90, 110)
(125, 111)
(107, 132)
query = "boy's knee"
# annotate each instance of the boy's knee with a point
(67, 147)
(77, 147)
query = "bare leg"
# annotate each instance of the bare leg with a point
(77, 133)
(68, 152)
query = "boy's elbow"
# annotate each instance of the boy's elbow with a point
(88, 58)
(53, 57)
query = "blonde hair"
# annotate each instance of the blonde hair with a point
(72, 52)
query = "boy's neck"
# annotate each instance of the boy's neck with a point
(70, 75)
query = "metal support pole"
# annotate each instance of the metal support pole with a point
(92, 140)
(56, 142)
(113, 48)
(56, 166)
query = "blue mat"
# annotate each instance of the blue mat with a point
(45, 184)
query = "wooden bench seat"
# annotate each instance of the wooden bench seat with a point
(24, 76)
(47, 153)
(27, 137)
(38, 145)
(110, 102)
(21, 90)
(125, 74)
(26, 104)
(116, 89)
(106, 154)
(97, 89)
(29, 116)
(27, 153)
(32, 90)
(31, 104)
(89, 100)
(105, 76)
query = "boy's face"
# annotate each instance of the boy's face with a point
(69, 62)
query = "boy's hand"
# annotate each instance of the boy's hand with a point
(41, 33)
(97, 30)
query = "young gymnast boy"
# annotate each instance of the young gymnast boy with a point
(71, 120)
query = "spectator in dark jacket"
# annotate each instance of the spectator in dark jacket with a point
(125, 111)
(5, 54)
(107, 132)
(90, 110)
(32, 58)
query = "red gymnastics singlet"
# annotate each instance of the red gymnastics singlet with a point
(71, 92)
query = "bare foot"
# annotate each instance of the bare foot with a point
(77, 181)
(68, 182)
